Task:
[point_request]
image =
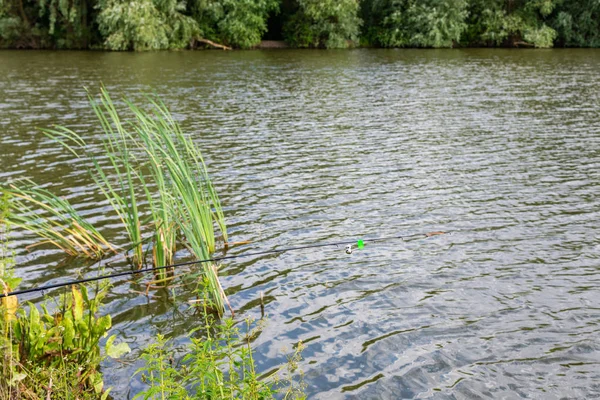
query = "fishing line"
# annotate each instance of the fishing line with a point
(348, 244)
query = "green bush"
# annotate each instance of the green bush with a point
(175, 24)
(145, 25)
(324, 23)
(518, 23)
(50, 354)
(236, 23)
(578, 23)
(412, 23)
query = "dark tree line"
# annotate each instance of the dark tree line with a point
(175, 24)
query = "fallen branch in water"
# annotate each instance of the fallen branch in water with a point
(521, 43)
(430, 234)
(211, 43)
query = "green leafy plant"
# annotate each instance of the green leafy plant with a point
(291, 377)
(218, 365)
(57, 354)
(8, 305)
(7, 281)
(50, 354)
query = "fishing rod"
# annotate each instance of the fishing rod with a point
(359, 244)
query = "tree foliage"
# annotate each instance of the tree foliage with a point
(145, 24)
(177, 24)
(415, 23)
(578, 23)
(67, 22)
(511, 23)
(324, 23)
(237, 23)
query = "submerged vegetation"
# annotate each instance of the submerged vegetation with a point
(173, 24)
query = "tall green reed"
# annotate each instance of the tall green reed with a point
(170, 151)
(187, 194)
(55, 220)
(150, 153)
(117, 178)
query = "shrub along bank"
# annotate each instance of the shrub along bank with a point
(175, 24)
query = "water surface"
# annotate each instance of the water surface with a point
(499, 147)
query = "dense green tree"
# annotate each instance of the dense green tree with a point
(11, 23)
(578, 23)
(414, 23)
(45, 23)
(177, 24)
(67, 22)
(237, 23)
(511, 22)
(18, 25)
(324, 23)
(145, 24)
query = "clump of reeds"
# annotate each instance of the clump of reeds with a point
(148, 168)
(117, 178)
(188, 200)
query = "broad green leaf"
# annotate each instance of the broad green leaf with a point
(47, 317)
(18, 378)
(77, 303)
(85, 294)
(102, 325)
(105, 394)
(69, 332)
(96, 381)
(116, 351)
(10, 305)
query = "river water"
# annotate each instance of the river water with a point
(500, 148)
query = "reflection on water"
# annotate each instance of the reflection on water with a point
(499, 147)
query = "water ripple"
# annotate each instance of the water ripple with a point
(500, 148)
